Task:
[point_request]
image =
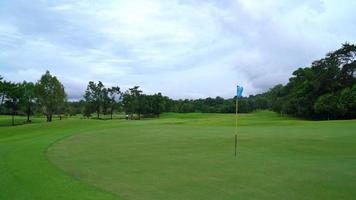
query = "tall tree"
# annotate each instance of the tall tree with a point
(157, 104)
(28, 98)
(114, 95)
(13, 99)
(94, 97)
(4, 89)
(105, 100)
(50, 94)
(128, 104)
(131, 102)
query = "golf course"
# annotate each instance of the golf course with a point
(178, 100)
(179, 156)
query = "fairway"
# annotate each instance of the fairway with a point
(179, 156)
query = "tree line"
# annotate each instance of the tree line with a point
(97, 99)
(325, 90)
(46, 96)
(101, 100)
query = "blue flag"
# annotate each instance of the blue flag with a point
(239, 91)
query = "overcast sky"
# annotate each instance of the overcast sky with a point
(182, 48)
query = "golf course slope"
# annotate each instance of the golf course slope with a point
(180, 156)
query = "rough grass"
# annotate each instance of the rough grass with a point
(180, 156)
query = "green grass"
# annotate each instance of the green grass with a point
(6, 120)
(180, 156)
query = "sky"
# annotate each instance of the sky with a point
(182, 48)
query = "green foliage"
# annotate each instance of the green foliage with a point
(347, 102)
(5, 87)
(100, 99)
(28, 98)
(326, 105)
(13, 98)
(322, 91)
(51, 94)
(114, 96)
(219, 105)
(133, 102)
(73, 108)
(94, 98)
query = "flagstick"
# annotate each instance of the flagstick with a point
(237, 104)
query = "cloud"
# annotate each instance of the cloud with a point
(183, 48)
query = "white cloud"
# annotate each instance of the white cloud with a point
(182, 48)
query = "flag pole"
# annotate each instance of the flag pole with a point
(239, 90)
(237, 105)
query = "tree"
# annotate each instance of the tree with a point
(51, 94)
(347, 102)
(87, 110)
(157, 104)
(303, 95)
(326, 105)
(131, 101)
(4, 89)
(94, 97)
(127, 102)
(13, 98)
(186, 107)
(105, 101)
(275, 96)
(2, 92)
(28, 98)
(73, 108)
(114, 95)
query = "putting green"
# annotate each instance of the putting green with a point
(191, 156)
